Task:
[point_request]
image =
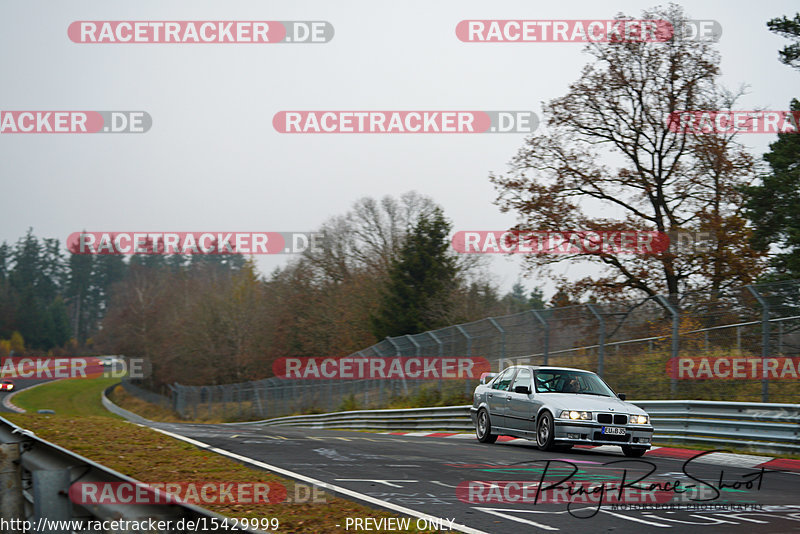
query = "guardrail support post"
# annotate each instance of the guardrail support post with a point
(546, 326)
(11, 503)
(676, 323)
(764, 340)
(601, 343)
(50, 496)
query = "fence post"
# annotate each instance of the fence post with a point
(174, 395)
(469, 348)
(546, 326)
(417, 353)
(764, 340)
(502, 338)
(441, 354)
(739, 340)
(397, 353)
(676, 323)
(601, 343)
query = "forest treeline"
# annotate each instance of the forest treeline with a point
(384, 268)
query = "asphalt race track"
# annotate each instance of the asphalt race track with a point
(20, 384)
(423, 474)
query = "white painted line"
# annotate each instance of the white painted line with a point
(333, 488)
(499, 513)
(605, 448)
(734, 460)
(635, 519)
(377, 481)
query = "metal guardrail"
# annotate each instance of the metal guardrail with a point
(36, 475)
(753, 426)
(445, 418)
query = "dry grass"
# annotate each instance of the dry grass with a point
(149, 456)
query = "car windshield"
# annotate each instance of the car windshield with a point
(566, 381)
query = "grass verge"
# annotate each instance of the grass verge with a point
(82, 425)
(67, 397)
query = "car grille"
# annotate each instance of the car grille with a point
(617, 419)
(610, 437)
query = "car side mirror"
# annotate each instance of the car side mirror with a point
(621, 396)
(522, 389)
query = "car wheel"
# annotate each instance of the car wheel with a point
(484, 428)
(633, 452)
(544, 432)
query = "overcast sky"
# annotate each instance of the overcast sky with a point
(212, 160)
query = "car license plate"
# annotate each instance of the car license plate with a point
(615, 430)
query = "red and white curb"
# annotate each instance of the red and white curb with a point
(8, 405)
(718, 458)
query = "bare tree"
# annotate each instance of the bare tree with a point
(654, 179)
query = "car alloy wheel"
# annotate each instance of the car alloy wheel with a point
(484, 428)
(544, 431)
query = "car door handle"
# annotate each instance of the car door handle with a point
(508, 398)
(489, 395)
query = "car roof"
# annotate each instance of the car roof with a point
(550, 368)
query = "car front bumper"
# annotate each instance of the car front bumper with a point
(590, 433)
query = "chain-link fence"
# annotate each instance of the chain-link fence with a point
(732, 344)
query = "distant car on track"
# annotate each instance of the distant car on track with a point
(558, 407)
(6, 385)
(108, 361)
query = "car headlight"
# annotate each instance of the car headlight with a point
(573, 414)
(640, 419)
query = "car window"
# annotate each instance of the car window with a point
(565, 381)
(523, 379)
(502, 382)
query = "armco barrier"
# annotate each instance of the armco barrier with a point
(35, 477)
(754, 426)
(445, 418)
